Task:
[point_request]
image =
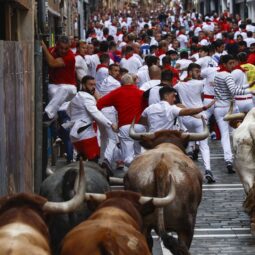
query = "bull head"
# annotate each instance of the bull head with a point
(233, 116)
(190, 136)
(71, 205)
(157, 202)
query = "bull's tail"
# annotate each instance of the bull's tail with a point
(163, 183)
(161, 173)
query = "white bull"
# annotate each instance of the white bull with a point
(244, 158)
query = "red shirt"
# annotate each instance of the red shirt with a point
(251, 59)
(127, 100)
(66, 74)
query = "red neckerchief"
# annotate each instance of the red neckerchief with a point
(222, 69)
(128, 56)
(238, 67)
(101, 66)
(231, 41)
(100, 53)
(174, 70)
(180, 33)
(208, 23)
(160, 52)
(119, 33)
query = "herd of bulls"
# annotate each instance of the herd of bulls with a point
(163, 189)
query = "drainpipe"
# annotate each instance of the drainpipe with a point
(42, 94)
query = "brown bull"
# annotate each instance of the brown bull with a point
(115, 227)
(150, 174)
(23, 228)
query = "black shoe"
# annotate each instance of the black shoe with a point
(106, 165)
(46, 120)
(230, 168)
(209, 177)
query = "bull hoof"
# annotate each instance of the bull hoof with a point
(253, 229)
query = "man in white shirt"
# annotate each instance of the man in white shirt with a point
(102, 70)
(183, 63)
(162, 115)
(83, 112)
(109, 139)
(190, 92)
(182, 38)
(155, 74)
(130, 62)
(250, 39)
(81, 67)
(143, 72)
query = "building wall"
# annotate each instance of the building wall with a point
(17, 97)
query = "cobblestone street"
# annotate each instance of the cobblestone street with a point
(222, 226)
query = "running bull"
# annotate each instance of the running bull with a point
(150, 174)
(23, 227)
(116, 225)
(244, 156)
(60, 186)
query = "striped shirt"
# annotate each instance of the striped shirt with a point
(225, 88)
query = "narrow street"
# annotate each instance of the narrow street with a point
(222, 226)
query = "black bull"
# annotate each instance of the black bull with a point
(60, 187)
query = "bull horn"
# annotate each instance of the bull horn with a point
(138, 136)
(161, 202)
(197, 136)
(71, 205)
(97, 197)
(115, 180)
(233, 116)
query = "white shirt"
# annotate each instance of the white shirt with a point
(249, 41)
(108, 84)
(240, 79)
(250, 28)
(101, 74)
(149, 84)
(184, 63)
(132, 64)
(208, 74)
(190, 93)
(161, 116)
(143, 75)
(83, 111)
(81, 67)
(206, 61)
(154, 95)
(183, 40)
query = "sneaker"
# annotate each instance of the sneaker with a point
(230, 167)
(107, 166)
(209, 177)
(46, 120)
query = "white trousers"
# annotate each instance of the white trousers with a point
(209, 112)
(129, 147)
(196, 125)
(58, 94)
(108, 138)
(219, 114)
